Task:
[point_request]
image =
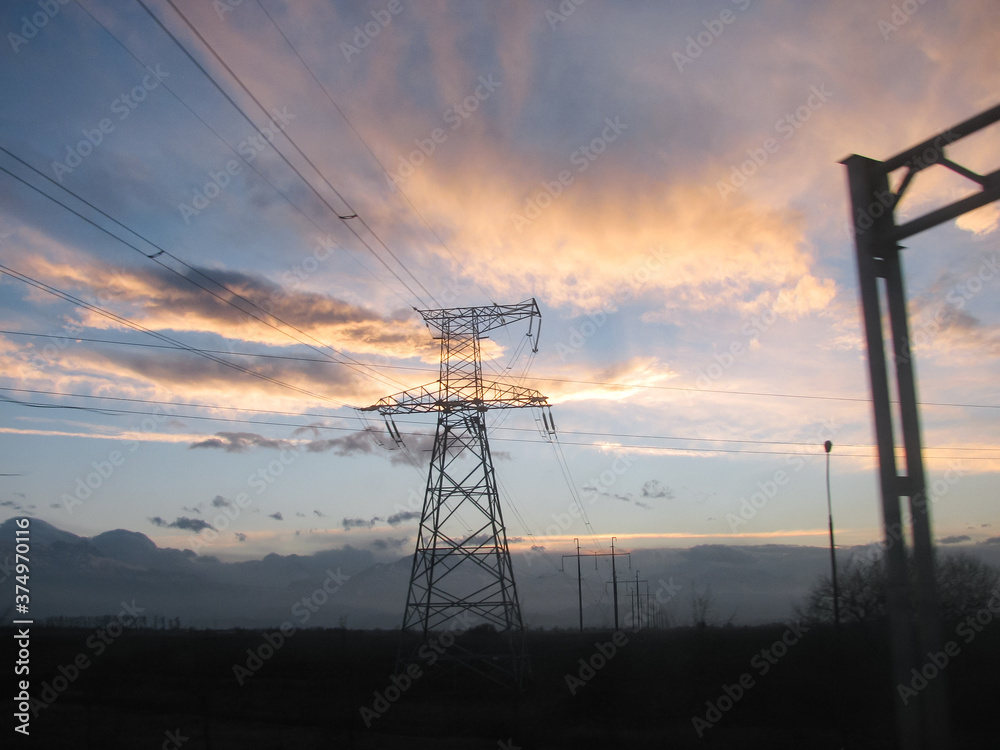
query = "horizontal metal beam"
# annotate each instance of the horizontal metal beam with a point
(433, 398)
(988, 194)
(473, 321)
(952, 134)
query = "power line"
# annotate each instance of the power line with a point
(561, 460)
(368, 148)
(138, 327)
(163, 251)
(412, 368)
(349, 213)
(619, 435)
(239, 155)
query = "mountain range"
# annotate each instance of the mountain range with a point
(74, 576)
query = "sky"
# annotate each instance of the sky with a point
(663, 178)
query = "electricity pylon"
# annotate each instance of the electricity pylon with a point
(461, 576)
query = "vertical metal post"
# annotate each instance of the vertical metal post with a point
(614, 580)
(878, 258)
(638, 601)
(833, 548)
(579, 582)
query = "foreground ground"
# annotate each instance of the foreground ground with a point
(778, 686)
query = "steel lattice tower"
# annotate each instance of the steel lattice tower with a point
(461, 576)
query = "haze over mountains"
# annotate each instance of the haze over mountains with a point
(73, 575)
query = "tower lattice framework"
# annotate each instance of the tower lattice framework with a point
(461, 576)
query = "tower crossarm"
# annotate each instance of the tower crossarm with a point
(475, 321)
(475, 396)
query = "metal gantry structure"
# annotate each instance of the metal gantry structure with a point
(461, 577)
(916, 631)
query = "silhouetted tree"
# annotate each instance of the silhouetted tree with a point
(964, 586)
(701, 604)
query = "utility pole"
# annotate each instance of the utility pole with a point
(922, 722)
(614, 574)
(579, 580)
(462, 574)
(635, 603)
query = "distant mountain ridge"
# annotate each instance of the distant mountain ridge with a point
(73, 575)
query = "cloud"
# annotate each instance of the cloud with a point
(349, 445)
(358, 523)
(160, 299)
(182, 522)
(537, 547)
(402, 517)
(240, 536)
(220, 502)
(277, 516)
(240, 442)
(955, 539)
(367, 442)
(488, 539)
(363, 442)
(394, 520)
(992, 540)
(319, 514)
(656, 489)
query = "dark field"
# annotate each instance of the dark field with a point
(177, 689)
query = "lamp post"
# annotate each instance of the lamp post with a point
(833, 550)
